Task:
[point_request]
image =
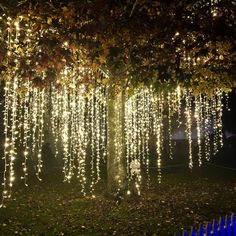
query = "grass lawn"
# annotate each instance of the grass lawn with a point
(183, 200)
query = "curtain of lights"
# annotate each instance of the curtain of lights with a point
(76, 117)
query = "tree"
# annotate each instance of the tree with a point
(120, 45)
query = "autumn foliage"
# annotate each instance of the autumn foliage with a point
(163, 43)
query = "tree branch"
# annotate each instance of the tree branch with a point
(132, 11)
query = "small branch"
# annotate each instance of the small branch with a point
(2, 7)
(22, 2)
(132, 11)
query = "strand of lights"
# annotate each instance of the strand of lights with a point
(219, 114)
(178, 104)
(198, 118)
(97, 131)
(188, 115)
(158, 130)
(138, 115)
(7, 115)
(128, 136)
(72, 128)
(82, 137)
(26, 110)
(144, 96)
(40, 133)
(104, 123)
(20, 115)
(26, 131)
(169, 101)
(7, 140)
(12, 44)
(91, 108)
(134, 136)
(207, 126)
(214, 124)
(34, 120)
(55, 111)
(65, 134)
(147, 118)
(14, 122)
(227, 102)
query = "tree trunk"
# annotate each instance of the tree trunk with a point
(116, 162)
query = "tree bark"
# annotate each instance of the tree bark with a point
(116, 162)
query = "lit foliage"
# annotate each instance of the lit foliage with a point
(164, 43)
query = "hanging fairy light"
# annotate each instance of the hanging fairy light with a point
(178, 104)
(40, 133)
(169, 100)
(104, 123)
(227, 102)
(207, 126)
(65, 135)
(158, 130)
(136, 135)
(55, 111)
(214, 126)
(13, 136)
(10, 118)
(219, 108)
(72, 135)
(82, 137)
(26, 131)
(198, 117)
(217, 121)
(144, 96)
(91, 112)
(188, 114)
(5, 193)
(128, 135)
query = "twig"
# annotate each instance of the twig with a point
(135, 4)
(2, 7)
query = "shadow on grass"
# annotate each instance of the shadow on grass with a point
(184, 199)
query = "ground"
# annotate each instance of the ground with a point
(183, 200)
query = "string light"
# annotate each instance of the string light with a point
(7, 140)
(82, 118)
(169, 99)
(158, 130)
(217, 121)
(91, 111)
(198, 117)
(26, 131)
(81, 138)
(188, 115)
(207, 126)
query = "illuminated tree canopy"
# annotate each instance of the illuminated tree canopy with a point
(149, 42)
(106, 76)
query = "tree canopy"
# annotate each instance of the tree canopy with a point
(62, 60)
(163, 43)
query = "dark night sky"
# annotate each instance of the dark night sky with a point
(229, 117)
